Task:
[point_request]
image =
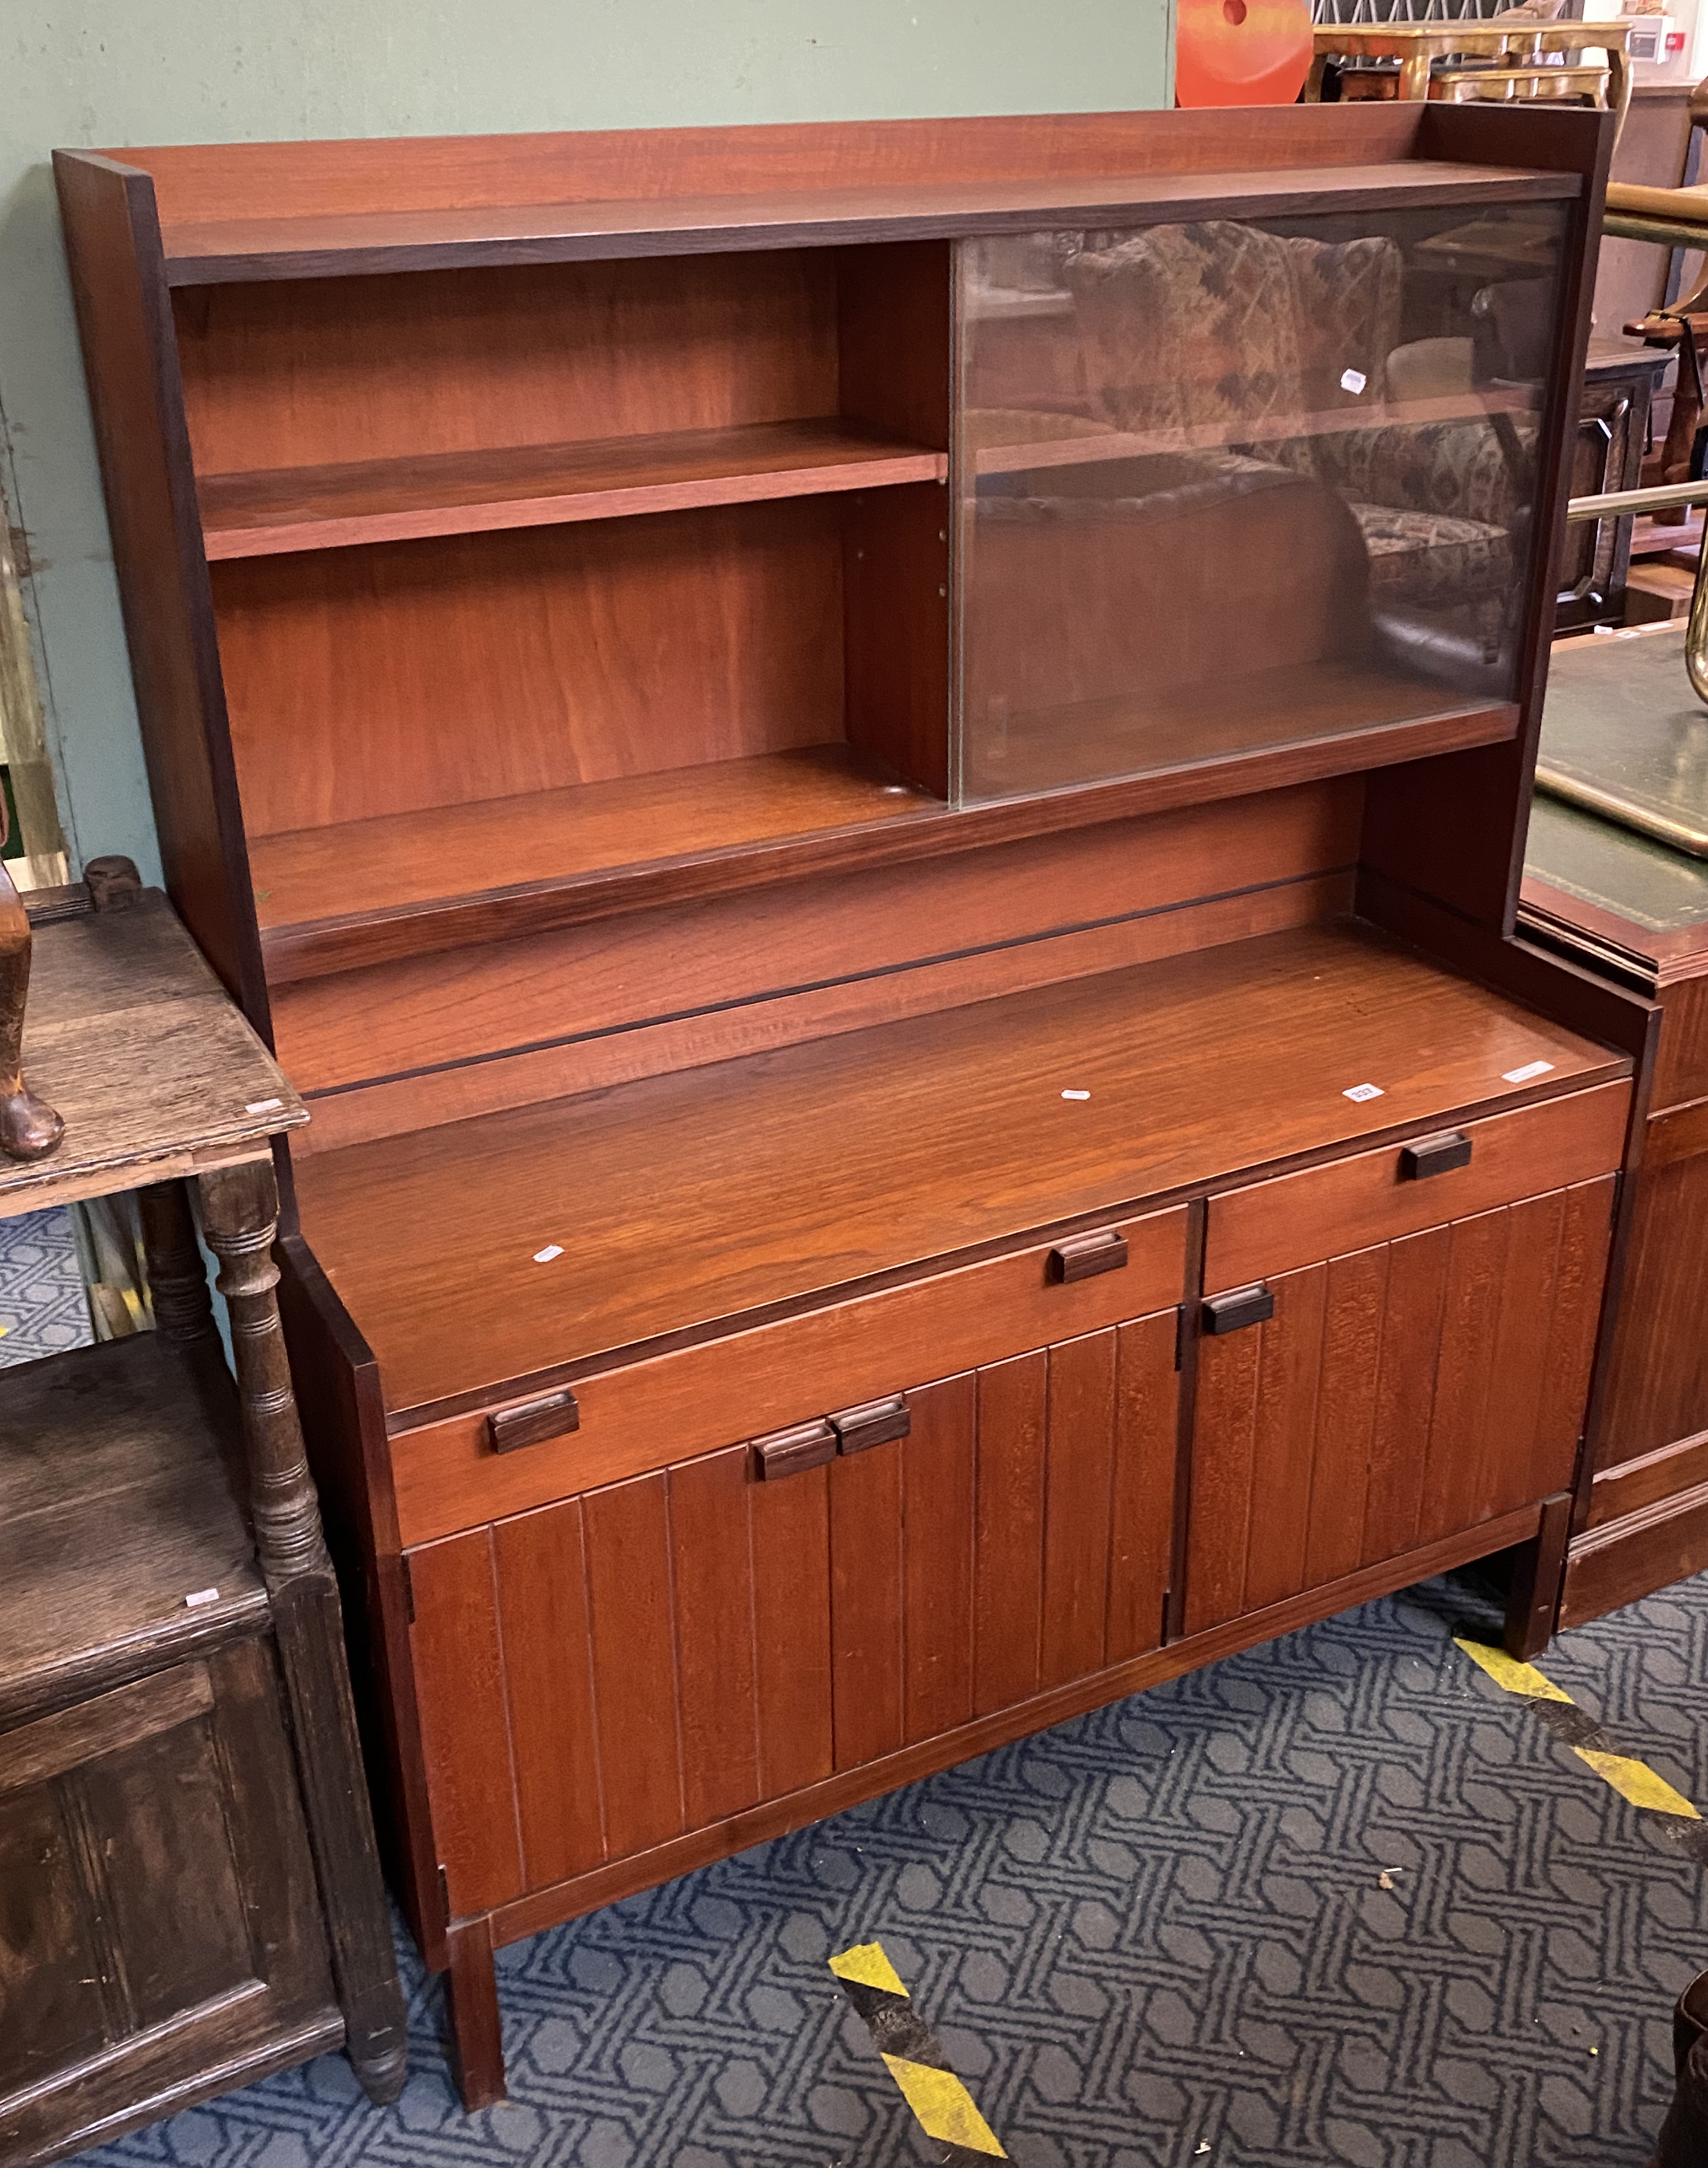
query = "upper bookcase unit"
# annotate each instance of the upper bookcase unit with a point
(514, 531)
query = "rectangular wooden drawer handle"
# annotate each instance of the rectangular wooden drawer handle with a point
(535, 1421)
(873, 1422)
(1082, 1257)
(1237, 1307)
(793, 1451)
(1437, 1154)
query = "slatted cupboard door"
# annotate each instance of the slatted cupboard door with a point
(644, 1660)
(1397, 1394)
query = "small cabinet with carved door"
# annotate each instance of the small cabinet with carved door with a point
(1396, 1348)
(620, 1671)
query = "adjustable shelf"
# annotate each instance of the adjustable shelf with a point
(336, 506)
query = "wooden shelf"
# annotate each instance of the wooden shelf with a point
(351, 243)
(1087, 445)
(681, 1202)
(398, 875)
(684, 834)
(397, 500)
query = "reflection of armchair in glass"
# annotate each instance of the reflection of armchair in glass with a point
(1288, 348)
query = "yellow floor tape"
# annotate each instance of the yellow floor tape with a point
(942, 2106)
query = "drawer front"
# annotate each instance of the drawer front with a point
(646, 1661)
(1355, 1204)
(649, 1414)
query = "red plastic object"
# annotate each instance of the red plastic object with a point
(1241, 52)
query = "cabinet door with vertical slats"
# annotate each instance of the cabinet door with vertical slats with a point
(1401, 1394)
(654, 1657)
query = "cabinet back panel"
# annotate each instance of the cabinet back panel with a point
(420, 674)
(301, 373)
(621, 972)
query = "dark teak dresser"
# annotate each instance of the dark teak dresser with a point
(871, 779)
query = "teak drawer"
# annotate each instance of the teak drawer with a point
(649, 1414)
(1354, 1204)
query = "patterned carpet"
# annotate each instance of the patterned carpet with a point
(43, 1308)
(1155, 1935)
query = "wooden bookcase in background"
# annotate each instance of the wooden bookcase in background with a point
(745, 1370)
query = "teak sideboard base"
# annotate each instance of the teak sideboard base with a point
(871, 777)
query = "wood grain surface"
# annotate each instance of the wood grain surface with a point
(1398, 1396)
(950, 1131)
(677, 1649)
(130, 1036)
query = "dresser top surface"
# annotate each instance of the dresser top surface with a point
(553, 1235)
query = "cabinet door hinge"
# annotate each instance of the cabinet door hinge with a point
(409, 1589)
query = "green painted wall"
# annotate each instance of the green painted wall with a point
(101, 72)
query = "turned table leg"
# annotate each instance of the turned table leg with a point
(240, 1217)
(29, 1128)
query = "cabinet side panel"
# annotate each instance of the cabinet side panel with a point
(124, 313)
(937, 1524)
(1078, 1506)
(1142, 1535)
(548, 1677)
(788, 1525)
(634, 1678)
(1008, 1532)
(712, 1571)
(1658, 1389)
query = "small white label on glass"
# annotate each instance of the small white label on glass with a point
(1530, 1070)
(1076, 1095)
(551, 1250)
(1363, 1092)
(1353, 379)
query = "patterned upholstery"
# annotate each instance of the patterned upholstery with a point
(1200, 330)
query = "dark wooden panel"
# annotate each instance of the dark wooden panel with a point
(1400, 1438)
(543, 1616)
(865, 1603)
(1240, 1060)
(1078, 1506)
(338, 667)
(1584, 1241)
(1354, 1302)
(1289, 1415)
(1008, 1553)
(118, 278)
(1658, 1377)
(937, 1529)
(634, 1659)
(896, 605)
(712, 1580)
(1223, 1464)
(457, 173)
(1142, 1531)
(1633, 1556)
(1632, 1486)
(1681, 1068)
(789, 1524)
(413, 366)
(465, 1738)
(157, 1817)
(1517, 1459)
(1460, 1440)
(50, 1962)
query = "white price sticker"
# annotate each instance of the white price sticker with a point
(1076, 1095)
(1360, 1093)
(1524, 1076)
(551, 1250)
(1352, 380)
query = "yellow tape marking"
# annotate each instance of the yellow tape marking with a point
(1517, 1678)
(867, 1964)
(1635, 1781)
(943, 2107)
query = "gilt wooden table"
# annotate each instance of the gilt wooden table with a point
(1526, 60)
(189, 1883)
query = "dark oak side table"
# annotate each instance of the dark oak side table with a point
(190, 1892)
